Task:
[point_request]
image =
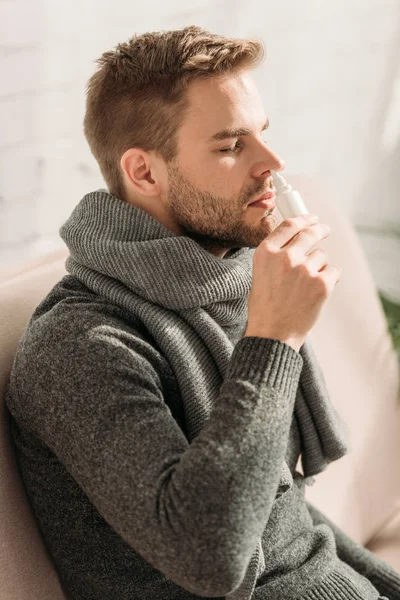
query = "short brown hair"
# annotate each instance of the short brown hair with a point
(136, 99)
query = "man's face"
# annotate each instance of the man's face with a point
(213, 180)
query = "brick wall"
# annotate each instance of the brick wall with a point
(328, 86)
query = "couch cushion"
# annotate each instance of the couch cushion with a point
(386, 543)
(360, 366)
(27, 571)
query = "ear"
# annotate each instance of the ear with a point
(139, 168)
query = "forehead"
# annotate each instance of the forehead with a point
(219, 102)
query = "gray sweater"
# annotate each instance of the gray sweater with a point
(128, 507)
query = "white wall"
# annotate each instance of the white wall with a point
(330, 83)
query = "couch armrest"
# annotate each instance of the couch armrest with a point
(386, 542)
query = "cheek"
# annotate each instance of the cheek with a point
(220, 176)
(224, 177)
(232, 179)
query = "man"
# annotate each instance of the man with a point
(157, 398)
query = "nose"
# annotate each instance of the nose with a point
(270, 160)
(280, 164)
(274, 161)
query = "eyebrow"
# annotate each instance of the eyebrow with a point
(232, 133)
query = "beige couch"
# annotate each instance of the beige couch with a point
(360, 492)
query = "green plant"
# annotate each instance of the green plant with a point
(392, 312)
(386, 229)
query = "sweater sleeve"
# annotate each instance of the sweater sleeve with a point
(382, 575)
(193, 511)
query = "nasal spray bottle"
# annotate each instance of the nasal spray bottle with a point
(288, 200)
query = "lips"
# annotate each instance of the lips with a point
(266, 196)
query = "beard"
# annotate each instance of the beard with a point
(218, 224)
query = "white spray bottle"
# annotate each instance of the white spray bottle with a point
(288, 200)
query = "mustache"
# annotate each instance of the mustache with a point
(260, 191)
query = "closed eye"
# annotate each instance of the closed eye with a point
(238, 146)
(235, 148)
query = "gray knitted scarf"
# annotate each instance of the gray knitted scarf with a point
(184, 296)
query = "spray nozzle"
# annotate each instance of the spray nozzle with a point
(280, 184)
(289, 202)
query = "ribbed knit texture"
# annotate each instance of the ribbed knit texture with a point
(196, 502)
(378, 572)
(108, 237)
(125, 255)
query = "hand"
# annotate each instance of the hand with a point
(290, 288)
